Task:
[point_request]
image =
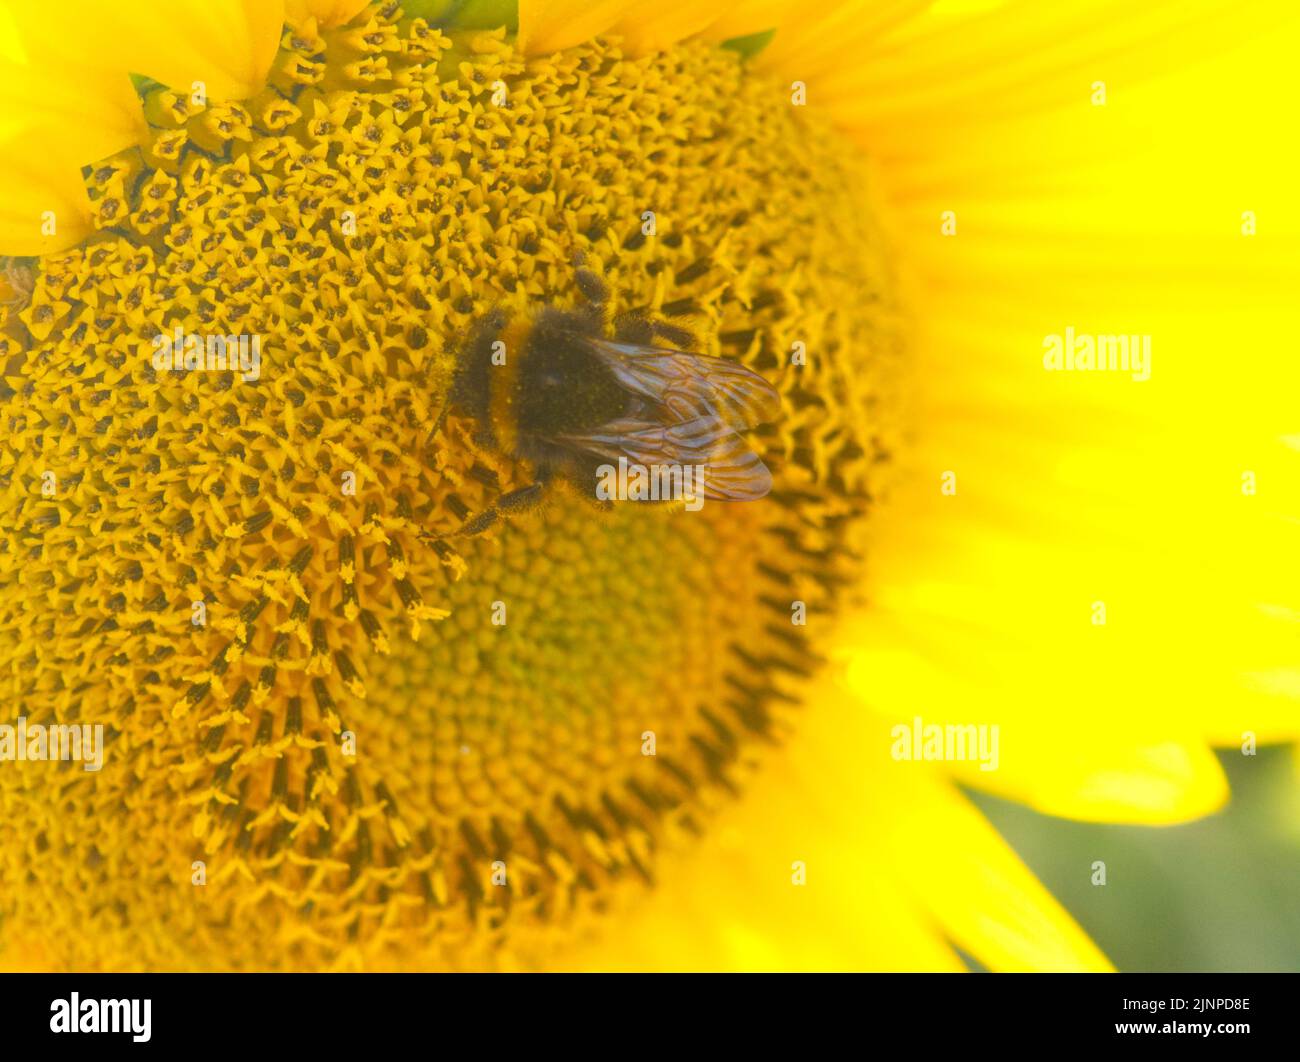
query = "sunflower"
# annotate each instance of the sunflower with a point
(340, 734)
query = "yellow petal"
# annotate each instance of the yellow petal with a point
(837, 38)
(650, 25)
(645, 25)
(43, 201)
(97, 109)
(325, 12)
(1074, 750)
(1078, 489)
(1020, 56)
(894, 862)
(749, 16)
(227, 45)
(547, 26)
(91, 116)
(975, 886)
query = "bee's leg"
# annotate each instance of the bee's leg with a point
(437, 427)
(509, 504)
(642, 325)
(593, 289)
(476, 525)
(596, 292)
(675, 335)
(637, 326)
(634, 327)
(483, 474)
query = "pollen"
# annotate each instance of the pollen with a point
(339, 735)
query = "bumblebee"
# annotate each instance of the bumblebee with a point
(549, 388)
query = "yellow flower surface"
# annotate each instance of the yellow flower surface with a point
(340, 735)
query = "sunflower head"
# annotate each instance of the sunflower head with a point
(377, 686)
(334, 721)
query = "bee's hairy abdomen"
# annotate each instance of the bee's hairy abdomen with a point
(472, 390)
(512, 345)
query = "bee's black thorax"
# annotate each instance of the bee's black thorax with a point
(525, 380)
(563, 386)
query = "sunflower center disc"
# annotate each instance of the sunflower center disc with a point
(331, 742)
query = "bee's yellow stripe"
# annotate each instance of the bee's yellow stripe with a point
(503, 410)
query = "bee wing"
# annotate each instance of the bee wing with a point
(732, 471)
(691, 386)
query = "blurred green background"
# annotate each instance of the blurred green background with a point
(1222, 893)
